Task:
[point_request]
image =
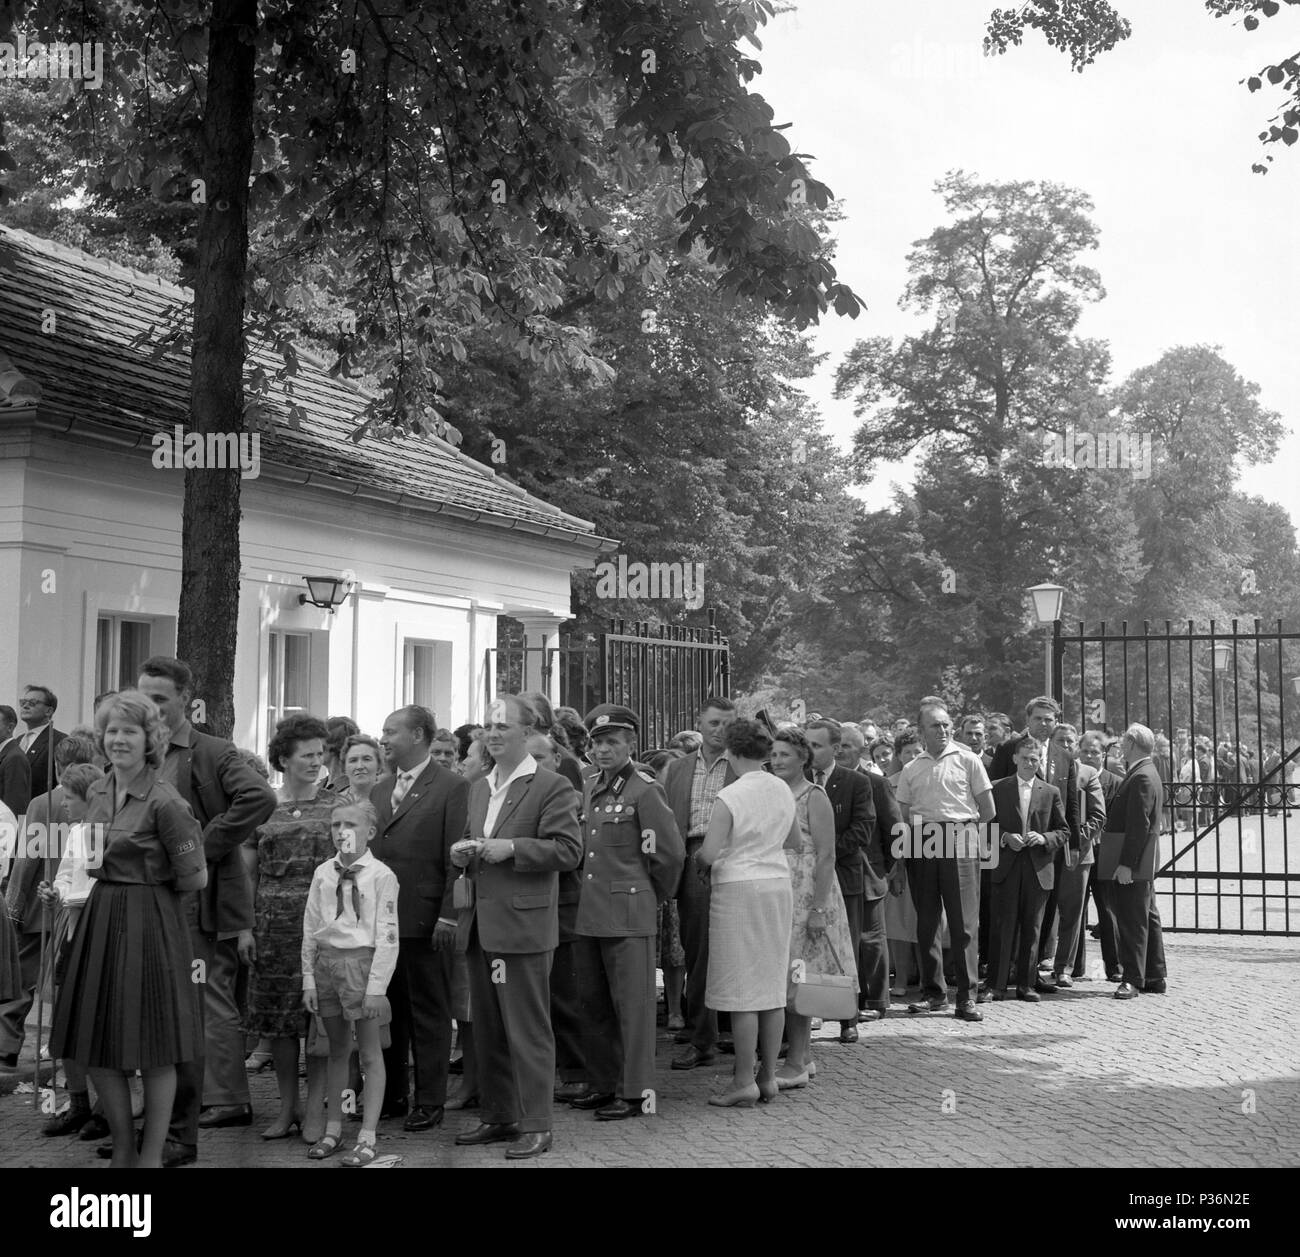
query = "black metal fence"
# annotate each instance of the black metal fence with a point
(1232, 700)
(662, 672)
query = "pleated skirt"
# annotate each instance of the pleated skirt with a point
(128, 999)
(11, 978)
(749, 945)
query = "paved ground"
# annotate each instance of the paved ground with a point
(1208, 1075)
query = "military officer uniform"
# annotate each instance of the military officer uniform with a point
(632, 860)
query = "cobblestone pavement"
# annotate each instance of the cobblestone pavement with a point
(1208, 1075)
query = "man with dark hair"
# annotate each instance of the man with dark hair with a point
(36, 709)
(997, 728)
(15, 770)
(521, 834)
(229, 800)
(851, 800)
(421, 812)
(691, 785)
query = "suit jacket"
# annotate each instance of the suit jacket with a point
(415, 842)
(516, 902)
(879, 855)
(622, 882)
(571, 882)
(15, 778)
(855, 823)
(25, 908)
(1135, 812)
(1062, 772)
(1092, 815)
(1110, 782)
(39, 758)
(676, 782)
(1046, 815)
(230, 800)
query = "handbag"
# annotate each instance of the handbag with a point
(462, 893)
(830, 996)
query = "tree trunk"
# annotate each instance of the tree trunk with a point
(209, 603)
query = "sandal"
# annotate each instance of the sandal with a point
(325, 1146)
(362, 1155)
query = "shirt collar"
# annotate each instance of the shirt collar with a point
(366, 857)
(139, 788)
(953, 748)
(418, 771)
(615, 782)
(184, 736)
(527, 767)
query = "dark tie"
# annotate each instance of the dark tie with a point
(347, 874)
(821, 776)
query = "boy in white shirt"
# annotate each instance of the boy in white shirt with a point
(349, 952)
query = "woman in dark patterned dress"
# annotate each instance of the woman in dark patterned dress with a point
(128, 1000)
(288, 848)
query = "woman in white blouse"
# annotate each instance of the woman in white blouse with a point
(750, 910)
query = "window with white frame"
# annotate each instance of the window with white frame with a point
(288, 686)
(122, 644)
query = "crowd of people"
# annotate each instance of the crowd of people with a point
(498, 899)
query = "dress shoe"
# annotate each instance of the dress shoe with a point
(676, 1022)
(738, 1098)
(935, 1004)
(593, 1100)
(567, 1092)
(618, 1110)
(532, 1144)
(966, 1011)
(395, 1108)
(1115, 977)
(848, 1034)
(226, 1115)
(1029, 997)
(682, 1036)
(984, 997)
(458, 1102)
(423, 1117)
(725, 1045)
(67, 1123)
(1063, 981)
(96, 1128)
(692, 1057)
(1159, 987)
(1001, 995)
(1043, 987)
(871, 1014)
(175, 1154)
(1126, 991)
(488, 1133)
(788, 1079)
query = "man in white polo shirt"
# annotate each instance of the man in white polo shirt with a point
(947, 784)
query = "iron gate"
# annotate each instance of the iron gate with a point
(1225, 707)
(662, 672)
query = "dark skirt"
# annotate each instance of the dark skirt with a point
(11, 978)
(128, 999)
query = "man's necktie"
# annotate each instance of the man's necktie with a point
(821, 776)
(348, 874)
(400, 789)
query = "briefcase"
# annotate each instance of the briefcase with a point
(829, 996)
(1109, 847)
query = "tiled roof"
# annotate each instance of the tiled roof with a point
(87, 370)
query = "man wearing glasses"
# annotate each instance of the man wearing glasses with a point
(36, 710)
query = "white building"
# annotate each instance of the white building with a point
(437, 545)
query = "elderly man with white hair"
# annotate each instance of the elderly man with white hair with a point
(1128, 859)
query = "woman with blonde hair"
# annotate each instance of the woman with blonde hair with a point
(128, 1000)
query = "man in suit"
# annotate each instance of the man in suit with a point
(855, 820)
(945, 785)
(1032, 829)
(36, 863)
(521, 834)
(1073, 868)
(230, 800)
(15, 771)
(1092, 754)
(421, 811)
(997, 728)
(691, 785)
(877, 862)
(633, 862)
(36, 708)
(1057, 769)
(1132, 826)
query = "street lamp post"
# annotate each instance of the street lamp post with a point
(1047, 609)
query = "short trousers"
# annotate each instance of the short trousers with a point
(341, 976)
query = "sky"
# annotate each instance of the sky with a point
(889, 95)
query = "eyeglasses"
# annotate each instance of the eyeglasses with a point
(32, 702)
